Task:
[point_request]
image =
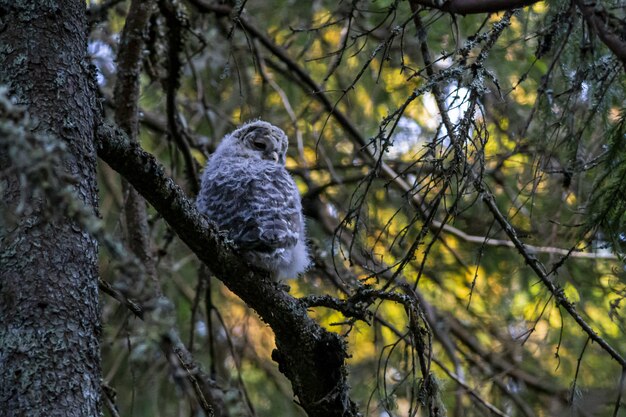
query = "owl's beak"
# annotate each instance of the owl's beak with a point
(274, 156)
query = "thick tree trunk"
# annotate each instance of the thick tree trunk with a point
(49, 315)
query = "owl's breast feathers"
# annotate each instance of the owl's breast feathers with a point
(258, 204)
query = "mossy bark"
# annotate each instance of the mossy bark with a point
(49, 314)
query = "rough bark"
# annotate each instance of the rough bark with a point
(49, 314)
(312, 358)
(126, 97)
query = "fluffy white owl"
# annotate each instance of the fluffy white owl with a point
(249, 194)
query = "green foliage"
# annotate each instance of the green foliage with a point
(544, 136)
(608, 202)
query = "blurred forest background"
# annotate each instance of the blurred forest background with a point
(463, 173)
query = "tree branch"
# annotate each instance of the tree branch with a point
(598, 20)
(175, 44)
(312, 358)
(540, 271)
(126, 98)
(474, 6)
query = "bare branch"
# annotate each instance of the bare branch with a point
(311, 357)
(474, 6)
(126, 97)
(354, 134)
(175, 25)
(599, 21)
(540, 271)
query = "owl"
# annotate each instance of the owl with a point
(248, 193)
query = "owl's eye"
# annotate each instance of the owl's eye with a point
(260, 145)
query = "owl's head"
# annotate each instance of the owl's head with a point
(256, 140)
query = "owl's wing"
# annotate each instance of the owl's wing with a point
(276, 220)
(259, 208)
